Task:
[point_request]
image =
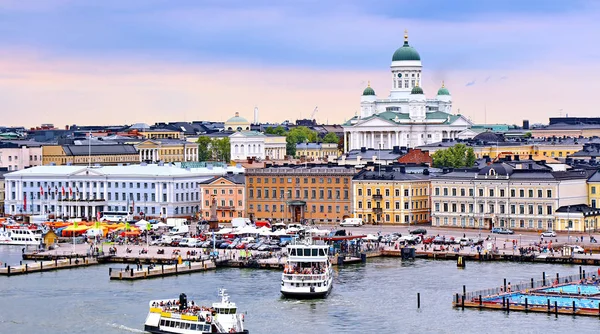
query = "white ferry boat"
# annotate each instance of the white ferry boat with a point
(308, 272)
(183, 317)
(20, 235)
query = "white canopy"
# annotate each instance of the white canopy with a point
(280, 232)
(370, 237)
(316, 231)
(265, 231)
(226, 230)
(142, 224)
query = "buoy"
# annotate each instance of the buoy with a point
(460, 263)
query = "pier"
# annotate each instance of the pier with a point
(130, 274)
(56, 264)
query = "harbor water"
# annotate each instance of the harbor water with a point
(377, 297)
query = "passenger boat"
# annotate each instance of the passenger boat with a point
(308, 272)
(183, 317)
(20, 235)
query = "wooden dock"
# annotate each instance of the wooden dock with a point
(56, 264)
(160, 270)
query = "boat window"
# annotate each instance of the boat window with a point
(293, 252)
(306, 252)
(207, 328)
(321, 252)
(162, 322)
(188, 325)
(315, 252)
(193, 327)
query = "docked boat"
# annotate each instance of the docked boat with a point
(20, 235)
(186, 317)
(308, 272)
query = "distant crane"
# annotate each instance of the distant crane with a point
(312, 116)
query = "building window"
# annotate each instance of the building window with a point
(539, 193)
(549, 193)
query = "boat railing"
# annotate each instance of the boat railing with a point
(304, 277)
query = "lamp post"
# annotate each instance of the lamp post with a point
(520, 240)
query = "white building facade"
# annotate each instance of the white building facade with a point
(78, 191)
(406, 117)
(254, 144)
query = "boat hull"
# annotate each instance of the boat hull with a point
(305, 295)
(156, 330)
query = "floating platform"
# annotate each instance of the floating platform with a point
(56, 264)
(160, 271)
(573, 295)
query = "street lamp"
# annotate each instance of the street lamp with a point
(520, 240)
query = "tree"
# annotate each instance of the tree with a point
(527, 135)
(279, 130)
(221, 149)
(331, 137)
(204, 148)
(456, 156)
(299, 134)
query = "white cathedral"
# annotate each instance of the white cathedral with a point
(406, 117)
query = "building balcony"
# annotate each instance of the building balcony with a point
(225, 208)
(377, 197)
(378, 211)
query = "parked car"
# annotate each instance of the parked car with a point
(578, 249)
(428, 240)
(264, 247)
(418, 231)
(548, 234)
(439, 240)
(502, 230)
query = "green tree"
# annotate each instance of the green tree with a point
(221, 149)
(456, 156)
(331, 137)
(527, 135)
(299, 134)
(204, 148)
(279, 130)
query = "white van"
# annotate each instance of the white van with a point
(352, 222)
(183, 229)
(240, 222)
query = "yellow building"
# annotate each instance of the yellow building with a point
(160, 134)
(577, 218)
(94, 154)
(593, 185)
(391, 196)
(317, 151)
(167, 151)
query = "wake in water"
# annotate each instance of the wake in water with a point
(128, 329)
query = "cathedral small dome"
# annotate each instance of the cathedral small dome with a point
(416, 90)
(368, 90)
(443, 90)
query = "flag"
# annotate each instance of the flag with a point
(98, 215)
(56, 190)
(49, 190)
(32, 202)
(77, 192)
(63, 191)
(41, 190)
(25, 202)
(70, 192)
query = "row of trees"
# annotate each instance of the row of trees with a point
(215, 149)
(300, 134)
(456, 156)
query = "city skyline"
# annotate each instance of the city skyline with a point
(65, 62)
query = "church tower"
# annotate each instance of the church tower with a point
(416, 105)
(406, 70)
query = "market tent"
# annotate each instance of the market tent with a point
(371, 237)
(142, 224)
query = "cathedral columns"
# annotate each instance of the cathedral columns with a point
(380, 146)
(346, 142)
(389, 140)
(397, 139)
(373, 139)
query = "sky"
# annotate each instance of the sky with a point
(122, 62)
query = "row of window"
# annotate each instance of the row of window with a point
(94, 184)
(273, 208)
(412, 192)
(491, 208)
(223, 191)
(266, 193)
(407, 205)
(492, 192)
(289, 180)
(186, 197)
(531, 223)
(407, 218)
(207, 203)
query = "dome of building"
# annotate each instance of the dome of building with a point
(443, 90)
(406, 52)
(489, 136)
(417, 90)
(368, 90)
(237, 119)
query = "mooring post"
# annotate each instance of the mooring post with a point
(580, 272)
(544, 278)
(548, 306)
(8, 272)
(557, 278)
(556, 308)
(583, 273)
(532, 282)
(525, 304)
(464, 290)
(463, 302)
(418, 300)
(26, 269)
(504, 285)
(503, 302)
(574, 307)
(163, 268)
(508, 305)
(480, 301)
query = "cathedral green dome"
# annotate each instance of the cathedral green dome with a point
(443, 90)
(368, 90)
(406, 52)
(417, 90)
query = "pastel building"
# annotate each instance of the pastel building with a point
(17, 156)
(228, 193)
(254, 144)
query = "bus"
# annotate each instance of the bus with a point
(115, 216)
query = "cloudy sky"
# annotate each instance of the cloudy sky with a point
(115, 61)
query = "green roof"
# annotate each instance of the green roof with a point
(368, 91)
(416, 90)
(443, 90)
(406, 52)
